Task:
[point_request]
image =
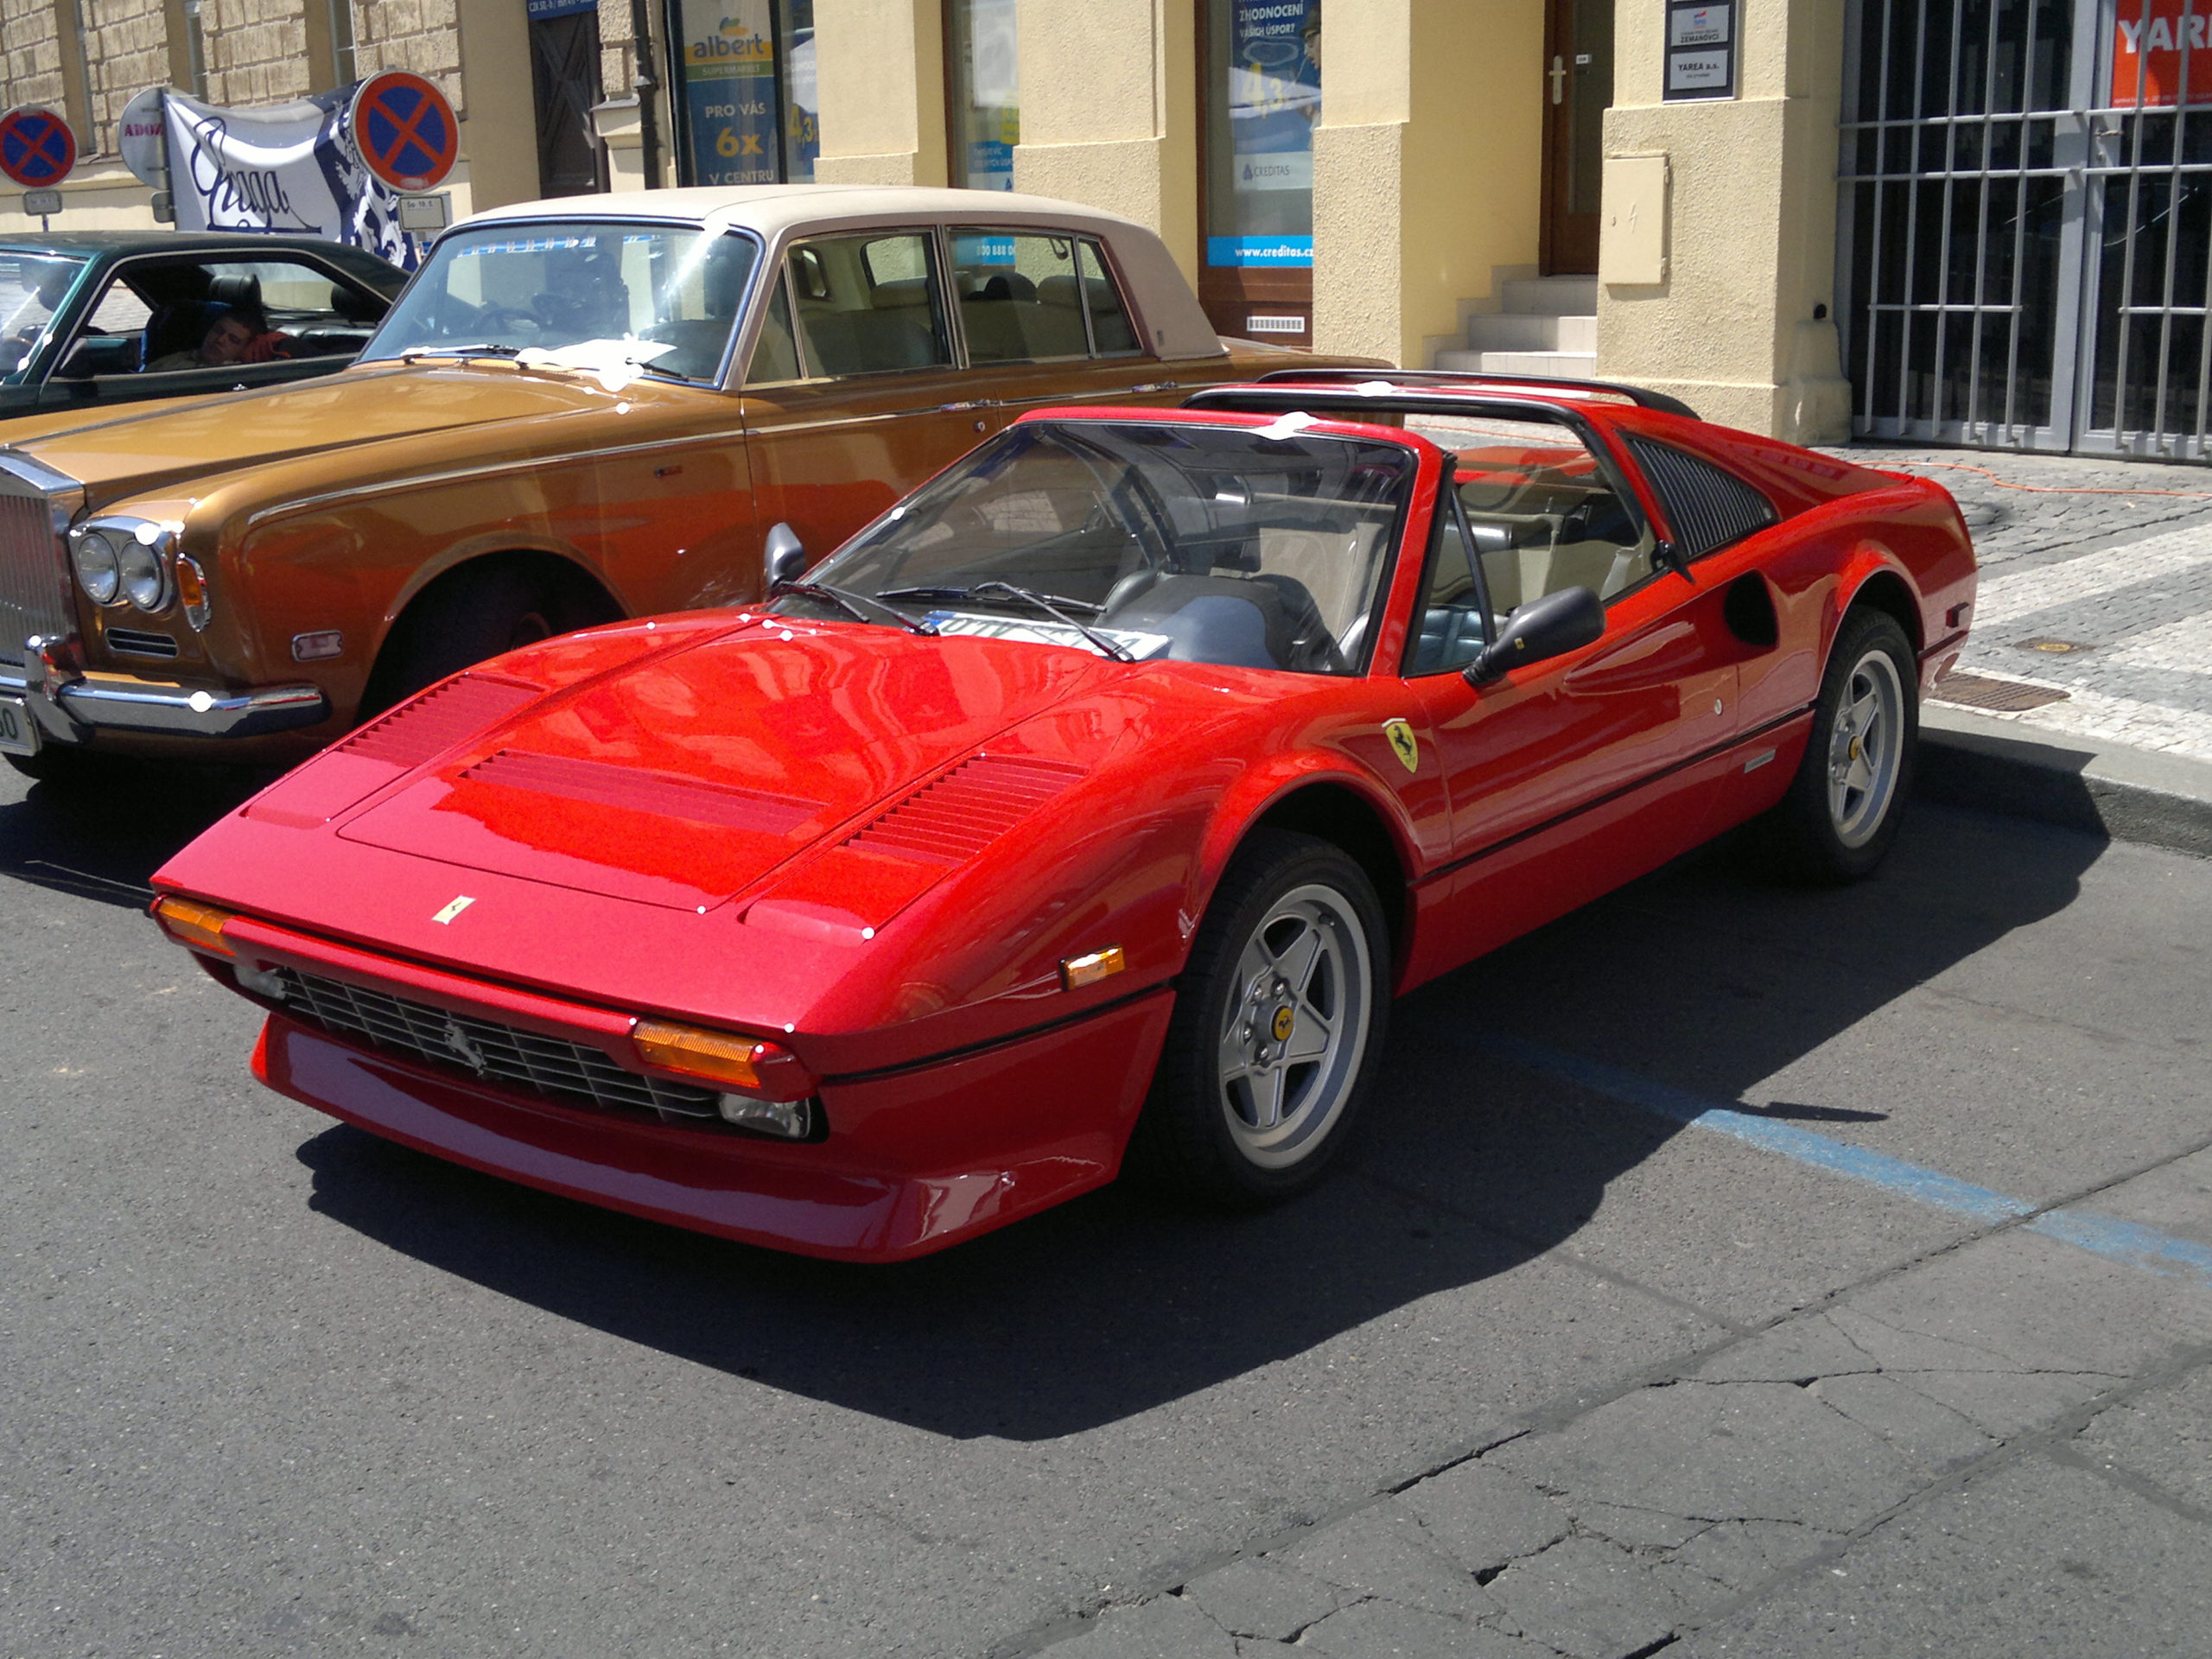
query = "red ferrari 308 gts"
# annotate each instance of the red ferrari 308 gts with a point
(1094, 802)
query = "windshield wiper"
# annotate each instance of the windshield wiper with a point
(482, 348)
(1053, 605)
(852, 604)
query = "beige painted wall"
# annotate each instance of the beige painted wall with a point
(1427, 167)
(499, 121)
(1751, 231)
(879, 73)
(1110, 112)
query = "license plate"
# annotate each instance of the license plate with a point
(17, 734)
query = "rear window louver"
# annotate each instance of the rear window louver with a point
(1707, 506)
(433, 724)
(951, 820)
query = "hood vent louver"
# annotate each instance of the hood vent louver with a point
(433, 724)
(950, 821)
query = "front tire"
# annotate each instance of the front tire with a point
(1277, 1029)
(476, 612)
(1845, 805)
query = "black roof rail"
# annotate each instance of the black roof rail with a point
(1636, 394)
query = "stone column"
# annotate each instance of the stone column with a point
(879, 73)
(1110, 112)
(1428, 169)
(1742, 325)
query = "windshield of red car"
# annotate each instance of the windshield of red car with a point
(32, 288)
(1253, 548)
(659, 298)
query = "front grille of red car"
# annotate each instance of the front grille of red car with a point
(495, 1052)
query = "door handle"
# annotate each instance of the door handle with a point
(1559, 80)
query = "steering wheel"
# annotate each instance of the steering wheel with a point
(506, 317)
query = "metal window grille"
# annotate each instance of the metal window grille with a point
(2023, 223)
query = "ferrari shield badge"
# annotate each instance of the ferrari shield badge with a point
(1403, 743)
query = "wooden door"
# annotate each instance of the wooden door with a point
(1578, 88)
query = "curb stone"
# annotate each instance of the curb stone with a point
(2099, 788)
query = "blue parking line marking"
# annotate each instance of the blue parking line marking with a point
(2105, 1236)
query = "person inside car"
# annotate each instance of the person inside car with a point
(231, 338)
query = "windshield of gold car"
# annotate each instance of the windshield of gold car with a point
(1254, 548)
(659, 298)
(32, 288)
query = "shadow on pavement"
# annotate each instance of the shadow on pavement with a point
(103, 835)
(1114, 1304)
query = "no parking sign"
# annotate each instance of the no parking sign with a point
(37, 149)
(405, 131)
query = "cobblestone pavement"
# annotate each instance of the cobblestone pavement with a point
(2114, 558)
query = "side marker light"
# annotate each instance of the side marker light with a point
(191, 923)
(1076, 972)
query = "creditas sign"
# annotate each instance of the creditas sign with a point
(2161, 55)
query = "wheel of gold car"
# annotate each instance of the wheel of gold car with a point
(475, 612)
(1278, 1024)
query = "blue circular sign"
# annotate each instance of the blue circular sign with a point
(404, 129)
(36, 147)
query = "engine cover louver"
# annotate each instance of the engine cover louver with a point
(1707, 505)
(950, 821)
(429, 726)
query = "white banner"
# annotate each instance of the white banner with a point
(286, 166)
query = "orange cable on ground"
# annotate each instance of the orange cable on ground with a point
(2050, 489)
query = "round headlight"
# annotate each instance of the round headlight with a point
(97, 573)
(145, 578)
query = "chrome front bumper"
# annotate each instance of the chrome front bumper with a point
(72, 710)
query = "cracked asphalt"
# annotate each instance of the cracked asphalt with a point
(1545, 1370)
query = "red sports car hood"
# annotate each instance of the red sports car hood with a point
(686, 777)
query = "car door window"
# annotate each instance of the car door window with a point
(869, 304)
(1451, 624)
(1031, 296)
(32, 289)
(111, 339)
(1543, 512)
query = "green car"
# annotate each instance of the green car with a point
(116, 316)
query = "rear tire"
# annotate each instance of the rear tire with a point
(1277, 1029)
(1847, 799)
(477, 611)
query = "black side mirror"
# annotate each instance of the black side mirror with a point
(782, 558)
(1550, 626)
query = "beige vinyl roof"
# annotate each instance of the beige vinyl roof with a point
(1173, 324)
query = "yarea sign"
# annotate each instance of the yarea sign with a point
(285, 167)
(2162, 54)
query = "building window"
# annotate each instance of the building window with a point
(1259, 97)
(984, 97)
(1263, 97)
(747, 111)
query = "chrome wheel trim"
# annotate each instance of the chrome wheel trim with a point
(1865, 748)
(1295, 1029)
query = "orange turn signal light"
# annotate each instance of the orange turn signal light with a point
(1076, 972)
(192, 924)
(750, 1065)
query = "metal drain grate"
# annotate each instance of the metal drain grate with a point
(1999, 697)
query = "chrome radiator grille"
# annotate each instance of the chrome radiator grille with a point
(32, 593)
(495, 1052)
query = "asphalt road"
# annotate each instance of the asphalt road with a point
(1549, 1368)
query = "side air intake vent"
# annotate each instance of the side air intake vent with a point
(415, 731)
(1708, 507)
(955, 817)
